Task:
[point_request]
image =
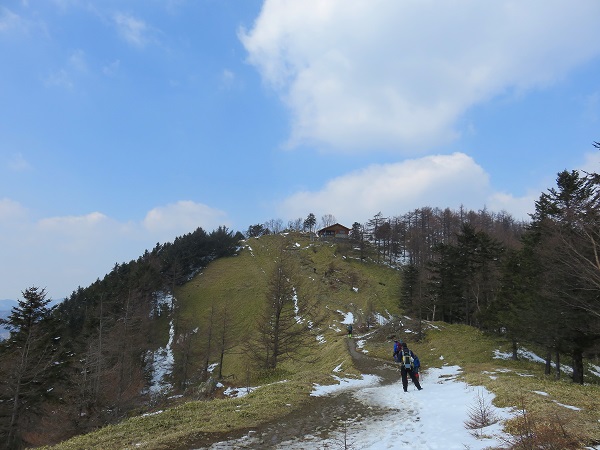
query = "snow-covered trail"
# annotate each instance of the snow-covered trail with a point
(376, 414)
(433, 418)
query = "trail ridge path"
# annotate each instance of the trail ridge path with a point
(319, 418)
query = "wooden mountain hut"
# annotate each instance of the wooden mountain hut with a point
(334, 231)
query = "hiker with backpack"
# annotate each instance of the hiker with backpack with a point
(409, 364)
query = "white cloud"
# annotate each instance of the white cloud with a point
(183, 217)
(62, 253)
(9, 20)
(66, 76)
(394, 189)
(11, 211)
(398, 74)
(519, 207)
(135, 31)
(591, 162)
(73, 224)
(88, 234)
(61, 79)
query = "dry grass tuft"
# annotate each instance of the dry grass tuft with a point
(531, 431)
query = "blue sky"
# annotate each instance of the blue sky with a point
(127, 123)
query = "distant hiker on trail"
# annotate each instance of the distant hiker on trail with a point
(349, 328)
(409, 364)
(397, 348)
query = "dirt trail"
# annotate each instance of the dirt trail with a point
(319, 417)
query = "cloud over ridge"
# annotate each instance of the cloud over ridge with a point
(88, 245)
(436, 180)
(397, 75)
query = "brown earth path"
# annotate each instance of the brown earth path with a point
(319, 417)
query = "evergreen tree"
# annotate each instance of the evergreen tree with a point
(255, 230)
(467, 277)
(567, 223)
(310, 222)
(523, 310)
(447, 283)
(413, 295)
(30, 367)
(409, 293)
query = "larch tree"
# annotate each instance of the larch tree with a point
(226, 334)
(288, 323)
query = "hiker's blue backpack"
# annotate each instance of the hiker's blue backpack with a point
(416, 362)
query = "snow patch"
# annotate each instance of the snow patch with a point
(163, 303)
(574, 408)
(348, 318)
(360, 345)
(529, 355)
(238, 392)
(595, 369)
(162, 365)
(381, 319)
(344, 384)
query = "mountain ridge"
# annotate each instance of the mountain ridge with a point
(344, 288)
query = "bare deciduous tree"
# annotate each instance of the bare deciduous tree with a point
(327, 220)
(288, 322)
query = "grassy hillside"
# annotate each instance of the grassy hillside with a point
(342, 283)
(333, 274)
